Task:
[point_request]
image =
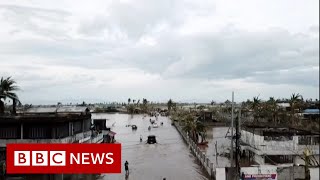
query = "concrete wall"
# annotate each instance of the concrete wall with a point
(259, 159)
(314, 174)
(298, 161)
(221, 174)
(260, 170)
(201, 156)
(271, 147)
(291, 173)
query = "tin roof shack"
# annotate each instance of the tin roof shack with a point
(273, 145)
(47, 125)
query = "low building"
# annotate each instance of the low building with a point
(284, 106)
(205, 115)
(264, 145)
(101, 127)
(47, 125)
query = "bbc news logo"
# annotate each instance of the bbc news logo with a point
(63, 158)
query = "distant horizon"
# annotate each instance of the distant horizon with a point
(97, 101)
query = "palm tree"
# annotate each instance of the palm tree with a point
(129, 100)
(190, 126)
(194, 128)
(295, 102)
(144, 104)
(7, 88)
(170, 104)
(174, 107)
(273, 108)
(255, 106)
(144, 101)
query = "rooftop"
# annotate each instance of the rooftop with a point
(311, 111)
(57, 109)
(48, 114)
(276, 131)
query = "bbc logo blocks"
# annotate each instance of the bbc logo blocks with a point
(39, 158)
(63, 158)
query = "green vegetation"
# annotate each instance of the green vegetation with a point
(190, 124)
(7, 90)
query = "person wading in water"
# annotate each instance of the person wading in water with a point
(126, 167)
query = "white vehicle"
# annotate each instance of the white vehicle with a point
(155, 125)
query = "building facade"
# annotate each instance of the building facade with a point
(278, 145)
(69, 124)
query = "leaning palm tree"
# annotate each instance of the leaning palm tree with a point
(190, 126)
(7, 88)
(201, 130)
(194, 128)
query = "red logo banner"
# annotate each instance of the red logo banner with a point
(63, 158)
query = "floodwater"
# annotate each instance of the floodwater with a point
(218, 156)
(170, 158)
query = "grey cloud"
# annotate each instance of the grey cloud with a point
(228, 55)
(115, 39)
(299, 76)
(138, 18)
(29, 19)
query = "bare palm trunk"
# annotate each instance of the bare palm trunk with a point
(14, 106)
(1, 107)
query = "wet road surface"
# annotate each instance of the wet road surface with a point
(170, 158)
(218, 135)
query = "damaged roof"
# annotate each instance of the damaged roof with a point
(62, 109)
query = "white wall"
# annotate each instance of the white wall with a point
(289, 147)
(259, 159)
(298, 161)
(221, 174)
(314, 173)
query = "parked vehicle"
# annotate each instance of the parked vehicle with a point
(134, 127)
(151, 139)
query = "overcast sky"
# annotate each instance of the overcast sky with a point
(109, 50)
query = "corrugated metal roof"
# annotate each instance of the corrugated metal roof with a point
(311, 111)
(63, 109)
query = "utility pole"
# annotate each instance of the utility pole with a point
(238, 143)
(231, 148)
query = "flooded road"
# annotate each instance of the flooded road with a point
(170, 158)
(217, 135)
